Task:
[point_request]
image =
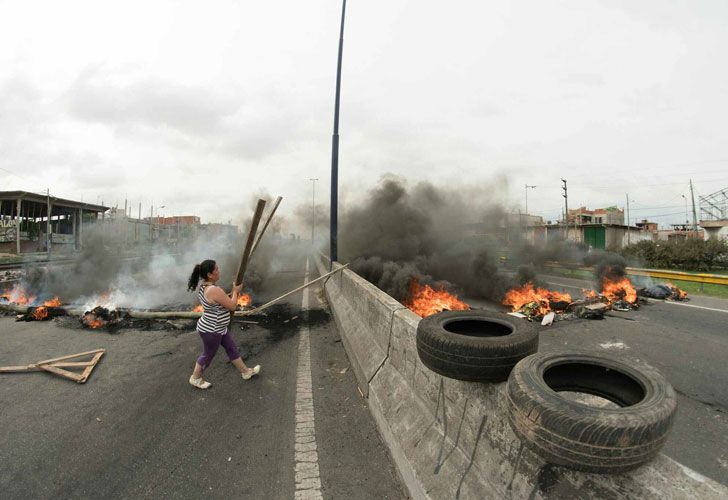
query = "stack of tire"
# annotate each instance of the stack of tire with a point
(482, 346)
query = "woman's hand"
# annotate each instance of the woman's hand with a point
(237, 288)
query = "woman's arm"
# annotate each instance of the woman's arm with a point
(218, 295)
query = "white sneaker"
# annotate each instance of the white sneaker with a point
(250, 373)
(199, 383)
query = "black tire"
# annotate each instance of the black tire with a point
(474, 345)
(583, 437)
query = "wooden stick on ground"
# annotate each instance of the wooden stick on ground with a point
(265, 226)
(57, 365)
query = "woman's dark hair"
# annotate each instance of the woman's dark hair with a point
(200, 272)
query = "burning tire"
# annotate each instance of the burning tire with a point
(474, 345)
(574, 434)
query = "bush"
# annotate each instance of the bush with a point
(689, 254)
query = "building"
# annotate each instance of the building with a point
(34, 222)
(182, 220)
(609, 215)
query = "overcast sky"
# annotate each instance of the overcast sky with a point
(198, 106)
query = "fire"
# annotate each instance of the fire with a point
(424, 301)
(615, 289)
(94, 323)
(198, 309)
(245, 300)
(590, 294)
(54, 302)
(18, 295)
(527, 294)
(677, 294)
(40, 313)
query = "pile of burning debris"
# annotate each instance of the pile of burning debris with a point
(617, 294)
(27, 307)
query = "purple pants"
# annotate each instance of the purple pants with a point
(211, 342)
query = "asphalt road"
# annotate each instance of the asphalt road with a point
(688, 343)
(138, 429)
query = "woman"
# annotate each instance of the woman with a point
(213, 325)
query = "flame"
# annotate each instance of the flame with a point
(424, 301)
(92, 321)
(40, 313)
(677, 294)
(198, 309)
(245, 300)
(526, 294)
(54, 302)
(18, 295)
(590, 294)
(615, 289)
(95, 323)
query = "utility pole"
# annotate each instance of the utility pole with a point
(313, 206)
(695, 215)
(527, 188)
(628, 238)
(335, 151)
(566, 207)
(687, 220)
(49, 240)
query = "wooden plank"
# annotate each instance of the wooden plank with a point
(70, 356)
(19, 369)
(265, 226)
(80, 364)
(249, 243)
(63, 373)
(87, 372)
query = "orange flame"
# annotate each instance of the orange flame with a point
(245, 300)
(92, 321)
(424, 301)
(519, 297)
(18, 295)
(198, 309)
(615, 289)
(54, 302)
(40, 313)
(678, 294)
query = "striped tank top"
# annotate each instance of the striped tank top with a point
(215, 318)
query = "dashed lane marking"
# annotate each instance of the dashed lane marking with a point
(306, 468)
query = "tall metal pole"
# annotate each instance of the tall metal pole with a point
(334, 254)
(628, 240)
(313, 207)
(566, 207)
(527, 188)
(695, 216)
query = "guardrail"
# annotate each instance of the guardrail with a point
(702, 278)
(716, 279)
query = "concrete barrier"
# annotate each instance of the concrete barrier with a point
(451, 439)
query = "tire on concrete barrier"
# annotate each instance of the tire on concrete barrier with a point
(474, 345)
(567, 432)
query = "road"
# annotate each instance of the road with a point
(138, 429)
(688, 343)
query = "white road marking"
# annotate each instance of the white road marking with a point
(306, 469)
(693, 305)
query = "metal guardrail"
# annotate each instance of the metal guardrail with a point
(702, 278)
(716, 279)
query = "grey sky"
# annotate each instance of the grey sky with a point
(198, 106)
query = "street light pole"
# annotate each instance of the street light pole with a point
(686, 210)
(335, 150)
(527, 188)
(313, 206)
